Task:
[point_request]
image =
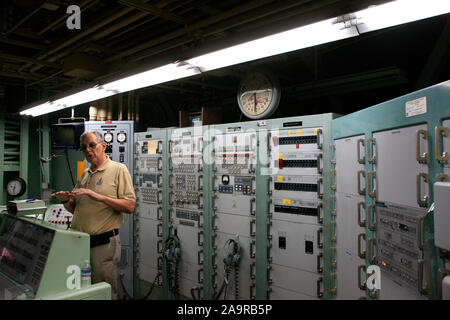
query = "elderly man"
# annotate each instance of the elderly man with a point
(103, 193)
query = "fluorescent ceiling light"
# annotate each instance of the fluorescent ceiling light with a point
(87, 95)
(162, 74)
(44, 108)
(373, 18)
(299, 38)
(399, 12)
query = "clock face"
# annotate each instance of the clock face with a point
(16, 187)
(121, 137)
(258, 95)
(108, 137)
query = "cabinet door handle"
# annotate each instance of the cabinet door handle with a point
(372, 217)
(441, 158)
(361, 223)
(252, 231)
(372, 177)
(252, 211)
(358, 152)
(421, 157)
(372, 151)
(359, 174)
(319, 263)
(333, 276)
(423, 202)
(319, 291)
(333, 236)
(420, 267)
(362, 255)
(333, 179)
(362, 286)
(333, 262)
(319, 133)
(319, 238)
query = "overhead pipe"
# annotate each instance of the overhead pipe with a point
(82, 34)
(119, 117)
(201, 24)
(32, 13)
(137, 109)
(94, 28)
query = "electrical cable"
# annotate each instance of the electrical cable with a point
(193, 294)
(68, 164)
(231, 260)
(148, 293)
(172, 256)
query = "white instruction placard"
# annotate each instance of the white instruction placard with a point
(416, 107)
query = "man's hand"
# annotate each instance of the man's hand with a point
(121, 205)
(66, 198)
(94, 195)
(62, 195)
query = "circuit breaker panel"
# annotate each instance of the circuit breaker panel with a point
(184, 248)
(296, 162)
(234, 216)
(148, 180)
(119, 136)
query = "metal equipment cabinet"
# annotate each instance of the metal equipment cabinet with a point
(387, 158)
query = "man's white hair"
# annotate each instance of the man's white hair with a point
(96, 133)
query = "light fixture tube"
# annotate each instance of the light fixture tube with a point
(172, 71)
(399, 12)
(295, 39)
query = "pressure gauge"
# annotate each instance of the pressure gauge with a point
(16, 187)
(258, 95)
(108, 137)
(225, 179)
(121, 137)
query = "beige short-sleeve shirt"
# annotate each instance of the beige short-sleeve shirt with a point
(111, 179)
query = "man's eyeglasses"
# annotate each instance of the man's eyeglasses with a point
(90, 146)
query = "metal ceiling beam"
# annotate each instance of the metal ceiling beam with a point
(196, 26)
(19, 75)
(238, 20)
(102, 34)
(29, 60)
(205, 84)
(349, 83)
(21, 43)
(101, 22)
(205, 8)
(28, 16)
(118, 37)
(174, 88)
(154, 10)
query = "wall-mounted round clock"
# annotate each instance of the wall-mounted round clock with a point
(16, 187)
(258, 95)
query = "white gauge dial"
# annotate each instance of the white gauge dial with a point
(108, 137)
(16, 187)
(258, 95)
(121, 137)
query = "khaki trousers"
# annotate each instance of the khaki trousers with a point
(104, 260)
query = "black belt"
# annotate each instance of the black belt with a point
(103, 238)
